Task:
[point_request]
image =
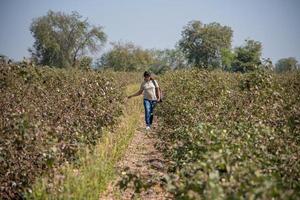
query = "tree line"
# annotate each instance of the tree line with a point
(68, 40)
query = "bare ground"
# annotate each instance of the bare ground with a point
(145, 163)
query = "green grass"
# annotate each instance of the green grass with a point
(96, 168)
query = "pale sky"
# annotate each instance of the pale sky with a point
(158, 23)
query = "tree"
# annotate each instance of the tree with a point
(247, 57)
(85, 62)
(227, 58)
(62, 39)
(286, 64)
(126, 57)
(3, 58)
(202, 43)
(168, 59)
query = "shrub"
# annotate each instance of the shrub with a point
(231, 136)
(47, 115)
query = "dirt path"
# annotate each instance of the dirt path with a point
(142, 161)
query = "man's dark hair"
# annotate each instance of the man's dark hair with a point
(146, 73)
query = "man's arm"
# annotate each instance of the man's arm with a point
(159, 97)
(136, 94)
(158, 93)
(157, 90)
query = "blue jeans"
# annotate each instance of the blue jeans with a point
(149, 107)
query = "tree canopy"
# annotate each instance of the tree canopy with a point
(168, 59)
(286, 64)
(62, 39)
(126, 57)
(248, 56)
(202, 44)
